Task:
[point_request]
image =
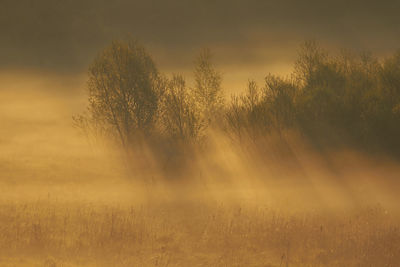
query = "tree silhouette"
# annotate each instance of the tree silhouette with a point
(124, 92)
(180, 118)
(208, 90)
(344, 99)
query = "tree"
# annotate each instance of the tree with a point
(180, 119)
(208, 90)
(310, 59)
(279, 95)
(124, 92)
(245, 116)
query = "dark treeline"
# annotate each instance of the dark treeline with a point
(348, 99)
(344, 99)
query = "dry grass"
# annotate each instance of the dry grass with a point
(76, 234)
(63, 204)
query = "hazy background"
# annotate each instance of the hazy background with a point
(249, 38)
(62, 196)
(46, 47)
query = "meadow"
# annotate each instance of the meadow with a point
(207, 234)
(261, 195)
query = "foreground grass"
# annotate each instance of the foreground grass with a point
(78, 234)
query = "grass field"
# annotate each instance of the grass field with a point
(214, 234)
(64, 203)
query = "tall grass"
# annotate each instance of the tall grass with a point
(66, 234)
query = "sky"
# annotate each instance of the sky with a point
(249, 38)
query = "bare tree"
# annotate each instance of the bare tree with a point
(310, 58)
(180, 117)
(280, 95)
(208, 90)
(124, 92)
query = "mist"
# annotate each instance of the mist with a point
(55, 181)
(200, 133)
(44, 156)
